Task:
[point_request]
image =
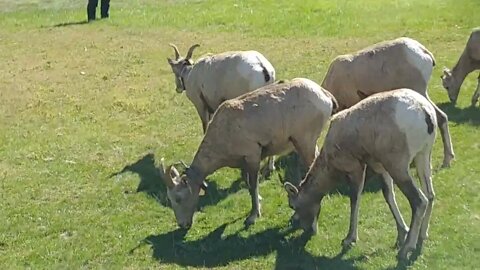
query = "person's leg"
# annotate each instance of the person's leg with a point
(91, 9)
(104, 8)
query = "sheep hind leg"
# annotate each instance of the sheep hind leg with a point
(442, 120)
(418, 204)
(252, 168)
(424, 170)
(476, 95)
(356, 181)
(389, 195)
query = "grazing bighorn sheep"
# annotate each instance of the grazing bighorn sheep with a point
(393, 64)
(469, 61)
(216, 78)
(386, 131)
(273, 119)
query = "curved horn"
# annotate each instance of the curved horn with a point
(190, 51)
(184, 164)
(177, 53)
(165, 174)
(290, 188)
(173, 172)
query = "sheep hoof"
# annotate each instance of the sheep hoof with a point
(446, 164)
(349, 242)
(403, 252)
(447, 160)
(251, 219)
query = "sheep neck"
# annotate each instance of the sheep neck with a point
(462, 68)
(205, 162)
(318, 181)
(184, 73)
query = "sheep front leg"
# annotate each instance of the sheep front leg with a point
(356, 181)
(202, 110)
(205, 120)
(271, 164)
(252, 168)
(476, 95)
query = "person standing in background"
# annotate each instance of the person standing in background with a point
(92, 7)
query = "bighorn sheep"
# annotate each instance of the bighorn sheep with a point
(270, 120)
(469, 61)
(216, 78)
(387, 131)
(393, 64)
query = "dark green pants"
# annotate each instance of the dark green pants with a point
(92, 7)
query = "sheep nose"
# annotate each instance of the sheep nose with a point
(294, 223)
(185, 225)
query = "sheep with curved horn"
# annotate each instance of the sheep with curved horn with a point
(216, 78)
(386, 131)
(274, 119)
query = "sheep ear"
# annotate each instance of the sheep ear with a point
(446, 71)
(170, 61)
(203, 189)
(291, 189)
(166, 176)
(173, 172)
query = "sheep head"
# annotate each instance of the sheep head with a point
(179, 65)
(306, 208)
(183, 194)
(450, 84)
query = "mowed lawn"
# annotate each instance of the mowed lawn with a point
(88, 110)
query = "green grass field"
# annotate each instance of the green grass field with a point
(88, 110)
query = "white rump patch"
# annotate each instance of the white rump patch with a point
(419, 58)
(251, 68)
(410, 119)
(327, 105)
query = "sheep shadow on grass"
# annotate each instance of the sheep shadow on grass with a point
(151, 183)
(66, 24)
(214, 250)
(468, 115)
